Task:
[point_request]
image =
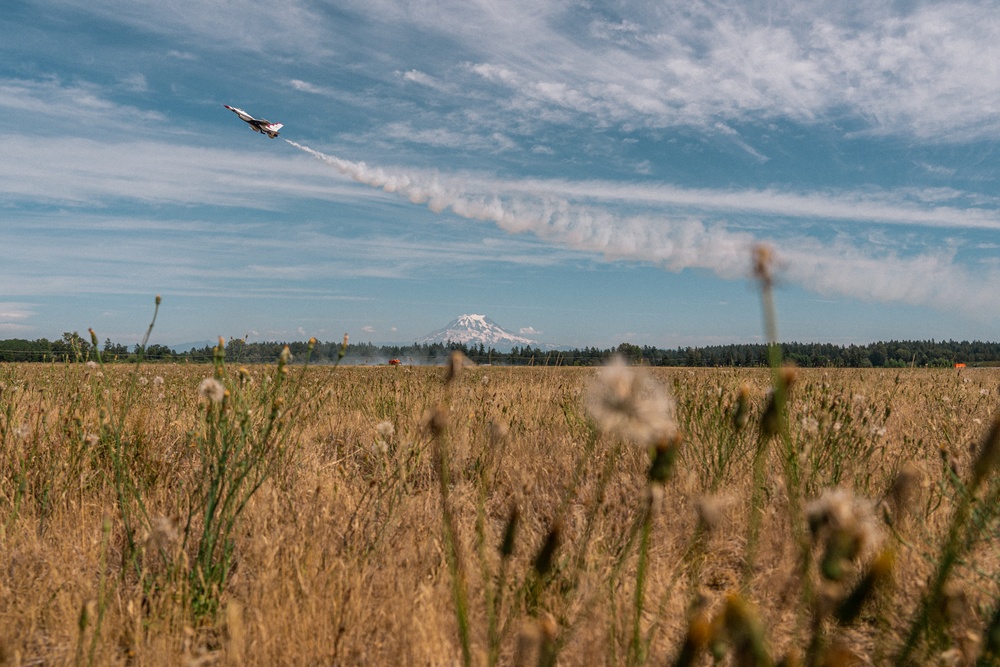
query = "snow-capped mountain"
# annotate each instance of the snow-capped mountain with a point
(476, 329)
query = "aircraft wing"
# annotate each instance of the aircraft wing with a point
(241, 113)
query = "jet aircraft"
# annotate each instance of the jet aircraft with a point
(257, 124)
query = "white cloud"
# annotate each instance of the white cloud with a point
(78, 171)
(15, 311)
(291, 27)
(441, 137)
(135, 83)
(425, 79)
(369, 329)
(306, 87)
(15, 317)
(73, 105)
(529, 331)
(932, 72)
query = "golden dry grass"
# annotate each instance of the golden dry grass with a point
(340, 557)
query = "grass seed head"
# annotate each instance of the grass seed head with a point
(763, 264)
(741, 412)
(989, 453)
(743, 628)
(665, 453)
(543, 561)
(879, 572)
(436, 420)
(456, 362)
(510, 532)
(902, 494)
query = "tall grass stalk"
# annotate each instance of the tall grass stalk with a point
(450, 538)
(102, 593)
(957, 541)
(438, 424)
(120, 447)
(774, 420)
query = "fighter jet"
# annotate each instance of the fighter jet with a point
(257, 124)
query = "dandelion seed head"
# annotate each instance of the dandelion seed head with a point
(711, 510)
(838, 512)
(631, 404)
(386, 429)
(498, 432)
(211, 390)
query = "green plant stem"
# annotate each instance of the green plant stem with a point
(452, 554)
(951, 553)
(637, 647)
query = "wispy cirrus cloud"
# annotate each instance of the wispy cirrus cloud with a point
(70, 105)
(87, 172)
(15, 316)
(915, 72)
(287, 27)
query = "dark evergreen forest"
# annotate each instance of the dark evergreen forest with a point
(890, 354)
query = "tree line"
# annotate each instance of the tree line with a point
(891, 354)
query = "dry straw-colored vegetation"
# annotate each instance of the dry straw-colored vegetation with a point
(168, 515)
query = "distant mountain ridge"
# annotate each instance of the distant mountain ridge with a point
(474, 329)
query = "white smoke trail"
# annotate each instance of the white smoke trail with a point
(675, 244)
(930, 279)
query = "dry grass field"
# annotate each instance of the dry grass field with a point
(290, 515)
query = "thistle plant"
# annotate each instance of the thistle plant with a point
(239, 447)
(632, 406)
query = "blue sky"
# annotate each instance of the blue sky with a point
(588, 173)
